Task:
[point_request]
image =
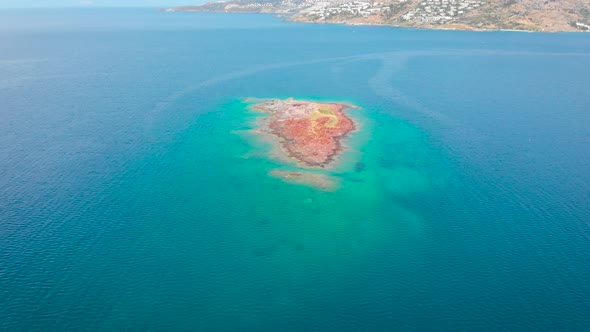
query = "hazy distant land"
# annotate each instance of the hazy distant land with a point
(528, 15)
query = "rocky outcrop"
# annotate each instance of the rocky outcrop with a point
(309, 132)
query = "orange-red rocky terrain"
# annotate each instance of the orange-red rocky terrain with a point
(309, 131)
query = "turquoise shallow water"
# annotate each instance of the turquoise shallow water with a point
(132, 196)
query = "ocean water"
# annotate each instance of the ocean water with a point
(134, 197)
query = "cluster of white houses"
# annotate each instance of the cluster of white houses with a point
(327, 9)
(427, 11)
(441, 11)
(423, 11)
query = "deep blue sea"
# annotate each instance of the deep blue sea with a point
(133, 196)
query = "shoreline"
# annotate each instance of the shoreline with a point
(288, 18)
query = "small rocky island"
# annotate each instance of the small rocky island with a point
(308, 132)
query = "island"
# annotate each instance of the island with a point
(307, 135)
(309, 132)
(525, 15)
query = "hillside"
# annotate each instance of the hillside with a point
(530, 15)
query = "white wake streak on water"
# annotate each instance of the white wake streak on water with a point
(392, 63)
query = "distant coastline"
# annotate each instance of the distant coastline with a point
(466, 15)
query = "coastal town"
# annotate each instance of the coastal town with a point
(526, 15)
(441, 11)
(427, 11)
(322, 10)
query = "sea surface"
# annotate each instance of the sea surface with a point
(134, 197)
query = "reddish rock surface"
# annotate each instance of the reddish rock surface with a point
(309, 131)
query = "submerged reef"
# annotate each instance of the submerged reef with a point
(321, 181)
